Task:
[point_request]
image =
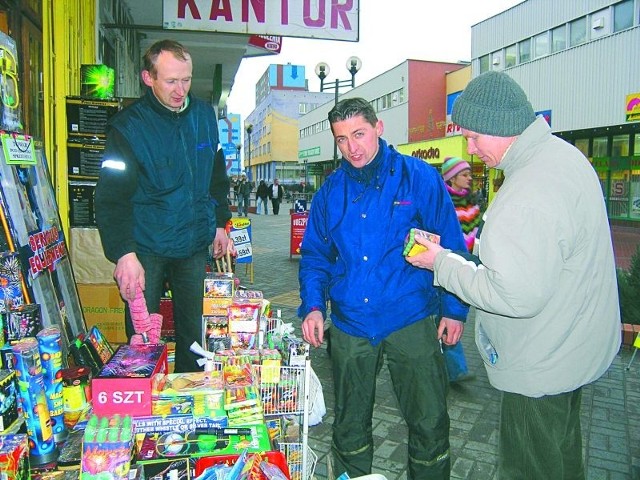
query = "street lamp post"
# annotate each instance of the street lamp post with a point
(354, 64)
(249, 129)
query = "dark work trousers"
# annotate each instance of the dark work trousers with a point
(186, 279)
(420, 383)
(275, 203)
(540, 438)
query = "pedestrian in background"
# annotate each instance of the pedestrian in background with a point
(276, 193)
(244, 196)
(161, 199)
(381, 306)
(262, 194)
(543, 281)
(458, 178)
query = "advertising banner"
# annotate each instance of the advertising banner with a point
(298, 227)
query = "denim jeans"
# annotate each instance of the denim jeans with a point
(186, 280)
(262, 206)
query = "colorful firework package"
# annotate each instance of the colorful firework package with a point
(14, 457)
(51, 356)
(33, 399)
(107, 447)
(124, 383)
(8, 400)
(10, 281)
(23, 321)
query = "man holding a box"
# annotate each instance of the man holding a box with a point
(161, 199)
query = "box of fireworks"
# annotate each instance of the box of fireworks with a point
(197, 393)
(103, 307)
(71, 451)
(219, 285)
(166, 310)
(248, 296)
(23, 321)
(76, 393)
(82, 212)
(244, 318)
(89, 117)
(14, 457)
(84, 355)
(296, 350)
(100, 344)
(411, 247)
(204, 442)
(216, 306)
(271, 360)
(9, 404)
(84, 158)
(88, 260)
(166, 468)
(124, 383)
(6, 357)
(107, 447)
(215, 333)
(271, 458)
(180, 423)
(97, 81)
(11, 280)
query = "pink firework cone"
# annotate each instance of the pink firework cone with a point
(147, 326)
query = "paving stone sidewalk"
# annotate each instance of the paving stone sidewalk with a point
(610, 407)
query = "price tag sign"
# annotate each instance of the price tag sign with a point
(18, 149)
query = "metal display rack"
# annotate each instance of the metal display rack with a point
(286, 392)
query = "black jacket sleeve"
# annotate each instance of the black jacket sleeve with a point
(116, 186)
(219, 189)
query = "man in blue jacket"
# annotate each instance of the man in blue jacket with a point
(161, 199)
(352, 255)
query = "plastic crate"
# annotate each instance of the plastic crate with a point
(276, 458)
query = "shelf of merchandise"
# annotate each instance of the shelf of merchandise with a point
(286, 391)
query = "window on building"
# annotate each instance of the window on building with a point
(578, 31)
(636, 145)
(620, 146)
(524, 50)
(600, 146)
(541, 45)
(582, 144)
(485, 62)
(510, 56)
(623, 15)
(559, 38)
(496, 60)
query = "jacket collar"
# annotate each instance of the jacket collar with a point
(370, 171)
(164, 111)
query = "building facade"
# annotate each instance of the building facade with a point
(410, 99)
(271, 129)
(577, 63)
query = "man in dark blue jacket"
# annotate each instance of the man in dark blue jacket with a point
(161, 199)
(352, 255)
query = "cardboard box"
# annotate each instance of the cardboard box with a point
(87, 257)
(124, 384)
(14, 457)
(103, 307)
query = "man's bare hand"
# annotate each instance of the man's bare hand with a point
(128, 274)
(450, 330)
(220, 243)
(313, 328)
(427, 258)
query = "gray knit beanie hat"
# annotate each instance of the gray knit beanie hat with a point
(493, 104)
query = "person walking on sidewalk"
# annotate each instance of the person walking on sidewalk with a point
(543, 281)
(457, 176)
(161, 198)
(244, 196)
(262, 194)
(381, 306)
(276, 193)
